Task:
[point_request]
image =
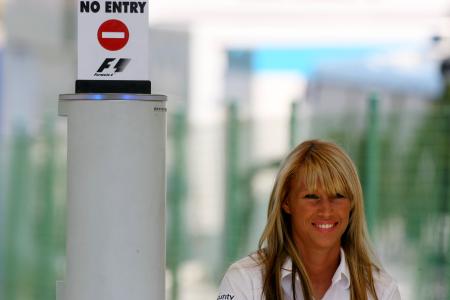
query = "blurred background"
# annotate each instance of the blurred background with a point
(246, 81)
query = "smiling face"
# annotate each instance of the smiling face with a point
(318, 218)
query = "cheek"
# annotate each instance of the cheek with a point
(346, 212)
(345, 209)
(299, 224)
(346, 217)
(351, 215)
(301, 214)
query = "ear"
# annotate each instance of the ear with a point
(285, 207)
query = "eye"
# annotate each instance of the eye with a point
(311, 196)
(339, 196)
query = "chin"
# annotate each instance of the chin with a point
(327, 244)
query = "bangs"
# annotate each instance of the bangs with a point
(325, 173)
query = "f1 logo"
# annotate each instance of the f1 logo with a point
(119, 66)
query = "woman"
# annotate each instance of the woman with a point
(315, 244)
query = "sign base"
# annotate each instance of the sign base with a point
(113, 86)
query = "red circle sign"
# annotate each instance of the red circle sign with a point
(113, 35)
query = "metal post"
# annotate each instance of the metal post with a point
(442, 260)
(176, 196)
(293, 125)
(232, 222)
(18, 193)
(116, 196)
(372, 163)
(45, 274)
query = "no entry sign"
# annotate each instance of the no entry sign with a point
(113, 35)
(113, 40)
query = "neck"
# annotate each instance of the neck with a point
(320, 264)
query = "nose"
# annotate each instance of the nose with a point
(325, 207)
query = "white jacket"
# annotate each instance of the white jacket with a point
(243, 281)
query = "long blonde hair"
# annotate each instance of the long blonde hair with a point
(316, 162)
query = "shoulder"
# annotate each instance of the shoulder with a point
(385, 286)
(243, 280)
(247, 270)
(249, 264)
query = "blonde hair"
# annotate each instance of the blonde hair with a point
(326, 164)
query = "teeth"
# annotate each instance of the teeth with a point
(325, 226)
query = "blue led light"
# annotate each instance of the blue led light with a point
(111, 96)
(127, 97)
(97, 97)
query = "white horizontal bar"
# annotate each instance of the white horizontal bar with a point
(113, 35)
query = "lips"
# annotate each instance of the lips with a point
(325, 226)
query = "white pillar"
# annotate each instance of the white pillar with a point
(116, 196)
